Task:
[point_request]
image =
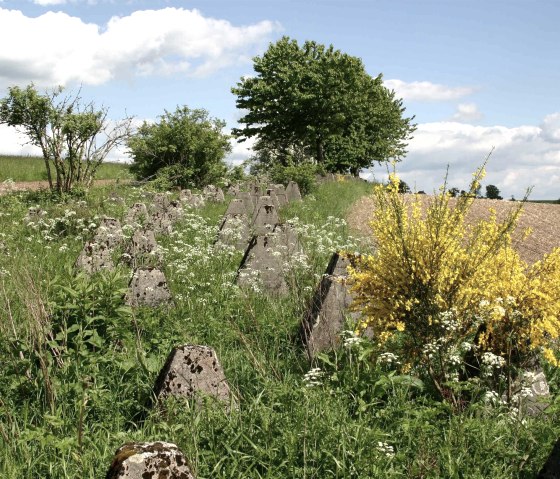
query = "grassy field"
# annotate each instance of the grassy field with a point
(78, 366)
(29, 168)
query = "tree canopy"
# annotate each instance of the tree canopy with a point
(187, 144)
(493, 192)
(320, 101)
(74, 138)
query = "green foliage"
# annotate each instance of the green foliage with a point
(74, 138)
(76, 381)
(316, 102)
(185, 148)
(492, 192)
(303, 174)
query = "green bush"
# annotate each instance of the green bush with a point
(303, 174)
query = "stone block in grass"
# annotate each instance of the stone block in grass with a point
(192, 372)
(326, 316)
(142, 249)
(137, 214)
(148, 287)
(292, 192)
(234, 231)
(95, 257)
(266, 217)
(109, 232)
(141, 460)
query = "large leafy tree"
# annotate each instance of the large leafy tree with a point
(74, 137)
(321, 100)
(187, 145)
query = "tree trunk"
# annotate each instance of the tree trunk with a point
(320, 154)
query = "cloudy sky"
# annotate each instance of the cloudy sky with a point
(477, 74)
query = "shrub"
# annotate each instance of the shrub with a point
(303, 174)
(437, 287)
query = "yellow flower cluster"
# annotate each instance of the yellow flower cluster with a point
(429, 261)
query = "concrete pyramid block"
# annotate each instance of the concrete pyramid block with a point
(142, 460)
(551, 469)
(142, 249)
(160, 222)
(234, 231)
(325, 318)
(148, 287)
(95, 257)
(137, 214)
(263, 268)
(160, 202)
(292, 192)
(191, 372)
(236, 207)
(109, 232)
(266, 216)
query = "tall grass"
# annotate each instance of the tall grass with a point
(71, 395)
(31, 168)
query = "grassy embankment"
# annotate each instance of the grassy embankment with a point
(29, 168)
(78, 366)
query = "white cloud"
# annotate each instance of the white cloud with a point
(56, 48)
(466, 113)
(45, 3)
(240, 151)
(523, 156)
(427, 91)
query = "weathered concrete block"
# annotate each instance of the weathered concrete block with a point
(137, 214)
(109, 232)
(194, 201)
(148, 287)
(292, 192)
(266, 217)
(213, 193)
(160, 202)
(236, 207)
(531, 392)
(273, 198)
(184, 195)
(160, 222)
(95, 257)
(265, 264)
(234, 231)
(149, 460)
(142, 249)
(325, 319)
(192, 372)
(34, 213)
(174, 211)
(551, 469)
(248, 201)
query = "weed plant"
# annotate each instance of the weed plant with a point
(78, 366)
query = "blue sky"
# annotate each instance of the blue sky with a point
(476, 74)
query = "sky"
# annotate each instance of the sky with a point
(478, 76)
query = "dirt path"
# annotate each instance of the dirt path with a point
(543, 220)
(37, 185)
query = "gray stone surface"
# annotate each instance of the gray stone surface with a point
(532, 392)
(160, 202)
(248, 201)
(326, 316)
(137, 214)
(266, 217)
(234, 231)
(213, 193)
(265, 264)
(174, 211)
(292, 192)
(192, 371)
(149, 460)
(95, 257)
(34, 214)
(194, 201)
(148, 287)
(551, 468)
(160, 222)
(142, 249)
(236, 207)
(109, 232)
(185, 194)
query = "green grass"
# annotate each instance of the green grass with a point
(75, 383)
(29, 168)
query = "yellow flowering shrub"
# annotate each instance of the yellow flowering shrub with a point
(435, 281)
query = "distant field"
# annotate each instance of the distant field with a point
(29, 168)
